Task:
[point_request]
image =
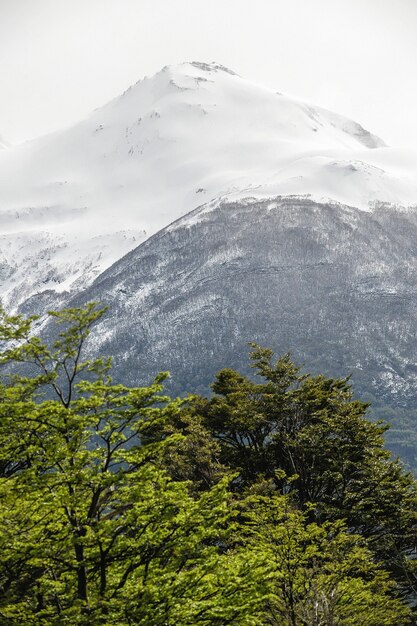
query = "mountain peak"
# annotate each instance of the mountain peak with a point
(212, 67)
(202, 66)
(192, 133)
(246, 107)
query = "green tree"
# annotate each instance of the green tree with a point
(115, 508)
(310, 438)
(317, 575)
(92, 528)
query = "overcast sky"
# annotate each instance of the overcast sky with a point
(59, 59)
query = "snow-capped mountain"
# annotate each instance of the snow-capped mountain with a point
(208, 211)
(73, 202)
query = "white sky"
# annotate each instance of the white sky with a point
(59, 59)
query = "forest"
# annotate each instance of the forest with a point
(273, 501)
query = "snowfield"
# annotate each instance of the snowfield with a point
(75, 201)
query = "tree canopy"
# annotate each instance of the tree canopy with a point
(307, 436)
(271, 502)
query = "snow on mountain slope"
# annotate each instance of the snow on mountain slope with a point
(334, 285)
(73, 202)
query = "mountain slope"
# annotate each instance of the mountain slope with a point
(289, 272)
(73, 202)
(334, 285)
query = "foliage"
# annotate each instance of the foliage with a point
(310, 438)
(317, 574)
(93, 530)
(116, 506)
